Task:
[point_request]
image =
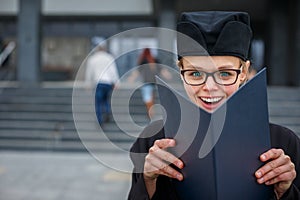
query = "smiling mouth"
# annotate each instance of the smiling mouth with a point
(211, 100)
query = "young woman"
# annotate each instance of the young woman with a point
(226, 37)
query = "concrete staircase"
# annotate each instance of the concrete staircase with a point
(42, 119)
(284, 107)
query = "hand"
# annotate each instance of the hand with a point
(157, 163)
(158, 159)
(278, 171)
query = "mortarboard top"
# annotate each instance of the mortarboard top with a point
(219, 33)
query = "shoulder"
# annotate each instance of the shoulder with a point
(286, 139)
(282, 133)
(107, 55)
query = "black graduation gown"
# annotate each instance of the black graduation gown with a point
(281, 137)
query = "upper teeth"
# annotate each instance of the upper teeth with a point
(211, 100)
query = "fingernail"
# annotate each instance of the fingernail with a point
(263, 157)
(179, 177)
(258, 174)
(179, 165)
(261, 180)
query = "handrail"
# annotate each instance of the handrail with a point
(5, 74)
(7, 51)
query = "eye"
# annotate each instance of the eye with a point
(225, 74)
(196, 73)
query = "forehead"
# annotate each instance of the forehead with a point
(210, 61)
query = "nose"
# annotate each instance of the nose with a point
(210, 84)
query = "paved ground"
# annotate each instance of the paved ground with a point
(60, 176)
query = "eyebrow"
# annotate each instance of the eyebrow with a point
(189, 66)
(226, 67)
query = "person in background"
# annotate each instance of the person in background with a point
(148, 72)
(226, 37)
(147, 69)
(101, 74)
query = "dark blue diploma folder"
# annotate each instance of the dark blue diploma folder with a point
(220, 149)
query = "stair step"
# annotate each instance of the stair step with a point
(289, 120)
(139, 109)
(65, 117)
(66, 136)
(98, 146)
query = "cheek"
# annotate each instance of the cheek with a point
(188, 89)
(229, 90)
(191, 91)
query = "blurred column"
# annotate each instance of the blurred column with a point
(278, 48)
(166, 41)
(29, 42)
(296, 42)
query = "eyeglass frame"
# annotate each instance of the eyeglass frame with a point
(208, 74)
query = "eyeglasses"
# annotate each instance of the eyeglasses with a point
(222, 77)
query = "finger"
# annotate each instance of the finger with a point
(150, 169)
(166, 156)
(277, 174)
(158, 167)
(165, 143)
(273, 165)
(271, 154)
(154, 163)
(173, 174)
(284, 178)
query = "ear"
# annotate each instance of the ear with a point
(245, 71)
(179, 64)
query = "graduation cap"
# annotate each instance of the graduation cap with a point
(217, 33)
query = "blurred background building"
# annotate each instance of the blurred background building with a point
(53, 37)
(44, 42)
